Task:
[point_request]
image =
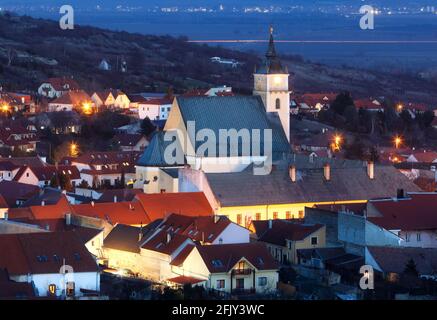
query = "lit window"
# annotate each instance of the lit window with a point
(258, 216)
(288, 215)
(275, 215)
(239, 219)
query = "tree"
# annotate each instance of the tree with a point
(342, 101)
(65, 182)
(147, 127)
(84, 184)
(410, 268)
(54, 182)
(351, 116)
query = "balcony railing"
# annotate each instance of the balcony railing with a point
(242, 272)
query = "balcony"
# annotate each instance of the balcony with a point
(241, 272)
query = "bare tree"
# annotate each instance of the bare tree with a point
(11, 55)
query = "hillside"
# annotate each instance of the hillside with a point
(32, 50)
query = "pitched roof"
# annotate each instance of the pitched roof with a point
(159, 101)
(10, 290)
(233, 112)
(231, 189)
(185, 252)
(283, 230)
(205, 229)
(222, 258)
(13, 191)
(183, 280)
(75, 98)
(164, 242)
(59, 84)
(41, 212)
(48, 172)
(393, 259)
(159, 205)
(426, 157)
(105, 158)
(129, 140)
(26, 161)
(415, 212)
(123, 237)
(154, 155)
(3, 202)
(121, 195)
(44, 253)
(129, 213)
(271, 64)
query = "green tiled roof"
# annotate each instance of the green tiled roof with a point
(233, 112)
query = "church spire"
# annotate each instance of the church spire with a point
(271, 52)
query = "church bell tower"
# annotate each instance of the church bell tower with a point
(271, 83)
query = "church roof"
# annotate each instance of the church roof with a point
(233, 112)
(349, 181)
(272, 64)
(154, 155)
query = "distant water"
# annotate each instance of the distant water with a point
(403, 56)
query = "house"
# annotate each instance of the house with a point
(16, 137)
(8, 170)
(17, 102)
(392, 262)
(73, 100)
(314, 102)
(302, 183)
(210, 92)
(328, 265)
(205, 229)
(246, 268)
(412, 218)
(284, 237)
(61, 122)
(160, 205)
(131, 142)
(104, 65)
(369, 104)
(55, 263)
(147, 255)
(155, 109)
(43, 176)
(56, 87)
(106, 168)
(423, 157)
(111, 98)
(15, 193)
(112, 213)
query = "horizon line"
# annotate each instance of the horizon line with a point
(320, 41)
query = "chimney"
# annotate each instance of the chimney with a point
(64, 191)
(140, 235)
(168, 237)
(292, 173)
(216, 218)
(270, 223)
(327, 172)
(92, 203)
(43, 203)
(115, 199)
(68, 219)
(371, 170)
(400, 194)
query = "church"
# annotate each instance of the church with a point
(266, 111)
(294, 181)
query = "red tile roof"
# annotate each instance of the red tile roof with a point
(222, 258)
(13, 191)
(44, 253)
(59, 83)
(205, 229)
(367, 104)
(48, 172)
(56, 211)
(165, 242)
(160, 205)
(180, 258)
(74, 98)
(312, 99)
(283, 230)
(129, 213)
(416, 212)
(183, 280)
(426, 157)
(107, 158)
(3, 203)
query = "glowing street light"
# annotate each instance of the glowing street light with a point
(73, 149)
(397, 141)
(5, 108)
(400, 107)
(336, 145)
(86, 107)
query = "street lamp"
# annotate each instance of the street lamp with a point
(73, 149)
(5, 108)
(336, 145)
(400, 107)
(86, 107)
(397, 141)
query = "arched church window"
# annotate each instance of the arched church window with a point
(278, 103)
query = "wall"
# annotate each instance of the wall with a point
(327, 218)
(233, 234)
(428, 238)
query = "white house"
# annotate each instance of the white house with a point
(55, 263)
(8, 170)
(56, 87)
(42, 176)
(111, 98)
(155, 109)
